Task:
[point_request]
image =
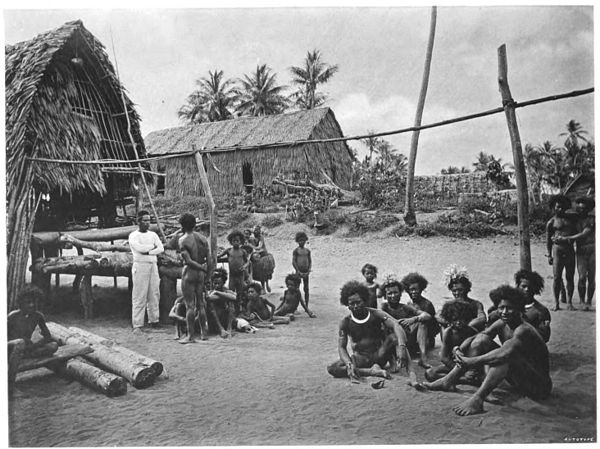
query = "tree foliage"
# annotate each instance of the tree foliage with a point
(308, 77)
(212, 101)
(258, 93)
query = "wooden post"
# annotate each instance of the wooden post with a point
(211, 209)
(523, 201)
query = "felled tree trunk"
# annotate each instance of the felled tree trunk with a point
(107, 383)
(65, 264)
(125, 365)
(89, 235)
(97, 339)
(96, 246)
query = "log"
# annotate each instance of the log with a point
(63, 354)
(96, 246)
(136, 373)
(65, 264)
(97, 339)
(88, 235)
(78, 369)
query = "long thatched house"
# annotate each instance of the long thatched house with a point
(235, 168)
(64, 101)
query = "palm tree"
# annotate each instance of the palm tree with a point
(211, 101)
(386, 151)
(308, 78)
(452, 170)
(372, 143)
(484, 159)
(574, 133)
(259, 93)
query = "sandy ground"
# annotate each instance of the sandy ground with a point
(272, 387)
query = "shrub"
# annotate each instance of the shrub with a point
(237, 216)
(272, 221)
(360, 224)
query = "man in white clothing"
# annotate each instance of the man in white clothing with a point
(145, 245)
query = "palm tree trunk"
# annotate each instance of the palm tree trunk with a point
(409, 205)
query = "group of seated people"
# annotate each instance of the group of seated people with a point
(385, 339)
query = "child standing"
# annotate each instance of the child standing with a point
(302, 261)
(291, 298)
(369, 271)
(238, 260)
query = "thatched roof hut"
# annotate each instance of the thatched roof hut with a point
(63, 101)
(238, 170)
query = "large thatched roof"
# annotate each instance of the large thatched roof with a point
(240, 132)
(59, 108)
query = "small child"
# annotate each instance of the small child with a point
(178, 314)
(221, 303)
(21, 324)
(369, 271)
(302, 261)
(291, 298)
(259, 308)
(238, 260)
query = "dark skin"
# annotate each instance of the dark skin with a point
(522, 359)
(290, 300)
(262, 308)
(302, 263)
(221, 303)
(21, 325)
(370, 275)
(561, 254)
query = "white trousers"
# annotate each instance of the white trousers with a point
(145, 294)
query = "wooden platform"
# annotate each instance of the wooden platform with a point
(63, 353)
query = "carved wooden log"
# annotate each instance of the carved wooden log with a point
(97, 339)
(96, 246)
(65, 264)
(136, 373)
(108, 383)
(88, 235)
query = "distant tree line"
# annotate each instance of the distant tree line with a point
(257, 93)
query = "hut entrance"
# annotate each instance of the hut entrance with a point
(247, 177)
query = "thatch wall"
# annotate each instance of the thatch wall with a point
(63, 101)
(267, 163)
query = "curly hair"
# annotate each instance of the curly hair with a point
(510, 294)
(236, 233)
(589, 202)
(353, 287)
(369, 266)
(30, 291)
(187, 222)
(301, 235)
(254, 285)
(295, 278)
(559, 199)
(457, 311)
(219, 273)
(414, 278)
(536, 282)
(460, 280)
(392, 283)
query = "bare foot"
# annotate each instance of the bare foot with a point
(571, 307)
(186, 340)
(377, 371)
(225, 334)
(439, 385)
(556, 308)
(586, 308)
(423, 364)
(394, 365)
(471, 406)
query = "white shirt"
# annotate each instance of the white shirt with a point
(145, 242)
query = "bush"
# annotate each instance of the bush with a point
(471, 203)
(237, 216)
(360, 224)
(272, 221)
(196, 205)
(336, 216)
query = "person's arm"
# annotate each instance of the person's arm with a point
(187, 260)
(295, 260)
(498, 356)
(343, 350)
(549, 242)
(227, 295)
(305, 307)
(401, 349)
(478, 323)
(270, 305)
(174, 315)
(223, 256)
(41, 322)
(585, 232)
(137, 245)
(416, 316)
(158, 247)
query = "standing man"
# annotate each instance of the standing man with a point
(145, 245)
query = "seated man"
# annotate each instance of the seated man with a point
(21, 325)
(522, 359)
(412, 320)
(372, 347)
(221, 303)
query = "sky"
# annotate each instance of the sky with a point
(380, 52)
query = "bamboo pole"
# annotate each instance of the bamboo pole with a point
(520, 175)
(409, 203)
(211, 209)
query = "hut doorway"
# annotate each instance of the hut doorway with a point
(247, 177)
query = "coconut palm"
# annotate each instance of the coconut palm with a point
(484, 159)
(386, 151)
(452, 170)
(308, 78)
(259, 93)
(575, 134)
(212, 101)
(372, 143)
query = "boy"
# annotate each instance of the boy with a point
(291, 298)
(369, 271)
(259, 309)
(561, 254)
(238, 261)
(302, 261)
(221, 303)
(415, 284)
(522, 359)
(194, 250)
(372, 348)
(411, 319)
(21, 325)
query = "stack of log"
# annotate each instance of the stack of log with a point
(109, 366)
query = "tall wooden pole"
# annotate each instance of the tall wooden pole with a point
(211, 209)
(409, 203)
(522, 197)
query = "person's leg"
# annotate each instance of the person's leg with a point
(280, 320)
(338, 369)
(557, 284)
(306, 289)
(591, 275)
(153, 295)
(201, 308)
(474, 404)
(189, 298)
(16, 351)
(371, 365)
(140, 273)
(569, 264)
(582, 271)
(422, 336)
(41, 349)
